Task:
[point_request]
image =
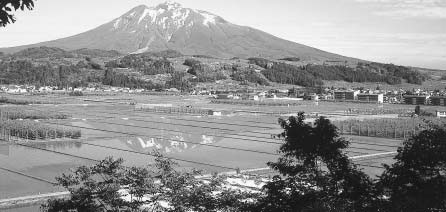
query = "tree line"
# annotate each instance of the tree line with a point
(312, 75)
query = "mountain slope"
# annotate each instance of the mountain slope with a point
(189, 31)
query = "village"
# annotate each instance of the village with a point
(413, 97)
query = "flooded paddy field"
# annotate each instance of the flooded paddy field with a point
(111, 126)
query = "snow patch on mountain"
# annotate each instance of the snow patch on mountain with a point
(116, 24)
(208, 18)
(143, 15)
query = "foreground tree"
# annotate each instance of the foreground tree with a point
(417, 181)
(109, 186)
(7, 7)
(316, 174)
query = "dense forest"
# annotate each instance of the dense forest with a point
(312, 75)
(145, 64)
(113, 78)
(26, 72)
(205, 72)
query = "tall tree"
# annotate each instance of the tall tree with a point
(417, 181)
(315, 173)
(8, 7)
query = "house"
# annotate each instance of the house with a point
(16, 89)
(214, 113)
(416, 99)
(345, 95)
(254, 97)
(375, 98)
(441, 114)
(438, 100)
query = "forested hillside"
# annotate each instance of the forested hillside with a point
(158, 70)
(312, 75)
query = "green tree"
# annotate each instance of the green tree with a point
(417, 181)
(8, 7)
(109, 186)
(315, 173)
(94, 188)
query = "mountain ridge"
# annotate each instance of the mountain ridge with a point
(189, 31)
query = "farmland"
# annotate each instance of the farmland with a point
(94, 127)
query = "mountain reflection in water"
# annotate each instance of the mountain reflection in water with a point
(169, 143)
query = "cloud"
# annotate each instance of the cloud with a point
(435, 9)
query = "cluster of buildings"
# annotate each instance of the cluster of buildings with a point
(24, 89)
(372, 97)
(425, 100)
(357, 96)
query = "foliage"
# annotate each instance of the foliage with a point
(249, 76)
(312, 75)
(191, 62)
(411, 76)
(7, 7)
(43, 52)
(111, 186)
(315, 174)
(32, 130)
(179, 82)
(26, 72)
(143, 63)
(164, 54)
(386, 127)
(96, 52)
(205, 72)
(417, 181)
(291, 59)
(76, 93)
(20, 101)
(22, 112)
(348, 74)
(114, 78)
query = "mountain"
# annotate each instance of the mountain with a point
(189, 31)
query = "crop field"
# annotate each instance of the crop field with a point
(241, 139)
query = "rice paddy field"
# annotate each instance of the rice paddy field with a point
(239, 139)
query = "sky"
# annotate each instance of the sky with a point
(403, 32)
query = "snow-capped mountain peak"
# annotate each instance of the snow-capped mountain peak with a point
(190, 31)
(168, 16)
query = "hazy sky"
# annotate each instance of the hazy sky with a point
(406, 32)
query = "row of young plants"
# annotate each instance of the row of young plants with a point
(258, 103)
(396, 128)
(377, 111)
(14, 113)
(20, 101)
(31, 130)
